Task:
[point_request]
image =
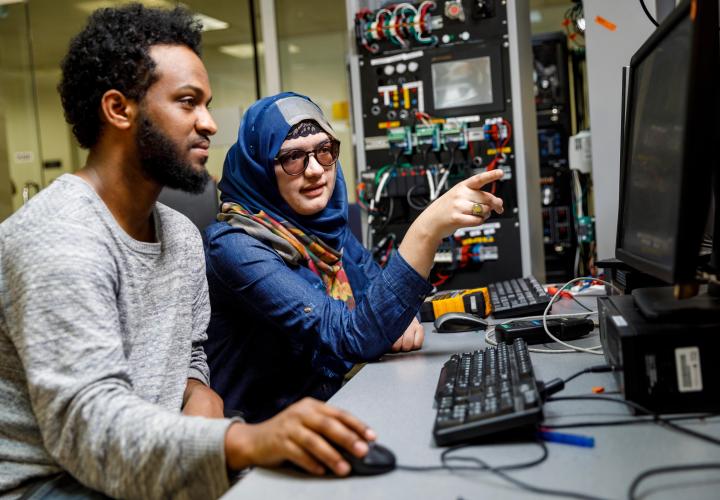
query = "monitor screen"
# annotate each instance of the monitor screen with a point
(655, 152)
(462, 83)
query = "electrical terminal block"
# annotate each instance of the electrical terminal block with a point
(400, 138)
(455, 133)
(586, 229)
(428, 135)
(495, 129)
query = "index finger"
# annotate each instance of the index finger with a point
(351, 422)
(479, 180)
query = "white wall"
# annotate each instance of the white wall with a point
(607, 52)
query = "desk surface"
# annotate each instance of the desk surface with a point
(395, 395)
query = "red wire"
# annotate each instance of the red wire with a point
(443, 279)
(388, 251)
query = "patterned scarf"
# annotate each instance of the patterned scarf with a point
(294, 246)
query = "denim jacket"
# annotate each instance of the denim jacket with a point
(275, 335)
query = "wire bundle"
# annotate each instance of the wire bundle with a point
(574, 24)
(397, 23)
(493, 134)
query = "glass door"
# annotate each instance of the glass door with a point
(20, 163)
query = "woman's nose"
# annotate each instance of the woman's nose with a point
(314, 168)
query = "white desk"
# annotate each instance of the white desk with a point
(395, 397)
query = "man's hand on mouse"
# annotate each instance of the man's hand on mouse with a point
(301, 434)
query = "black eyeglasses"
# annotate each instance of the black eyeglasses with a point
(296, 161)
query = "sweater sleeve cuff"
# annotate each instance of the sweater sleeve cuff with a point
(408, 286)
(206, 450)
(199, 375)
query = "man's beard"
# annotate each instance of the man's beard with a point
(161, 160)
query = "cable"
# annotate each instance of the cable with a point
(444, 459)
(490, 332)
(571, 296)
(441, 184)
(431, 184)
(640, 419)
(499, 471)
(647, 13)
(592, 369)
(580, 303)
(413, 205)
(590, 350)
(668, 470)
(656, 416)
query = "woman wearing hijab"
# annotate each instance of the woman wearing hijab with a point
(296, 299)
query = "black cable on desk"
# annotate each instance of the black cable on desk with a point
(445, 458)
(592, 369)
(668, 470)
(647, 13)
(656, 416)
(640, 419)
(581, 304)
(499, 471)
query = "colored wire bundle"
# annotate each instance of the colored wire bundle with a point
(397, 24)
(574, 24)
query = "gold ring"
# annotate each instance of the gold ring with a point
(478, 210)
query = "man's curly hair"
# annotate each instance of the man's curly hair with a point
(112, 52)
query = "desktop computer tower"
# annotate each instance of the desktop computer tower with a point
(667, 367)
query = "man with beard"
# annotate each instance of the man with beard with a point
(103, 296)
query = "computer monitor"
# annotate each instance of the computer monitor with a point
(670, 145)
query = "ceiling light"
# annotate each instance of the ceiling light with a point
(93, 5)
(210, 23)
(240, 50)
(8, 2)
(293, 49)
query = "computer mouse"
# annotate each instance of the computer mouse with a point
(459, 322)
(378, 460)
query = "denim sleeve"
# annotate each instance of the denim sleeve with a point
(255, 276)
(372, 269)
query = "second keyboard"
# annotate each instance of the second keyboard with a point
(485, 392)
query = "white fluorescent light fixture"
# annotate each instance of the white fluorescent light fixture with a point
(210, 23)
(93, 5)
(8, 2)
(240, 50)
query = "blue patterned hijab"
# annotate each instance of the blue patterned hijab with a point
(249, 170)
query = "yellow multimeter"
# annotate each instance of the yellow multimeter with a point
(474, 300)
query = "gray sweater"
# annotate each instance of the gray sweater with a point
(98, 336)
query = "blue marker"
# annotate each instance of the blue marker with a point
(573, 439)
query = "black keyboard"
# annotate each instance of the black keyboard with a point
(485, 392)
(518, 297)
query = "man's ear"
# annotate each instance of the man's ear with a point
(117, 110)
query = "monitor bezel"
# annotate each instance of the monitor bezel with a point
(700, 142)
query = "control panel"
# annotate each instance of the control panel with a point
(436, 104)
